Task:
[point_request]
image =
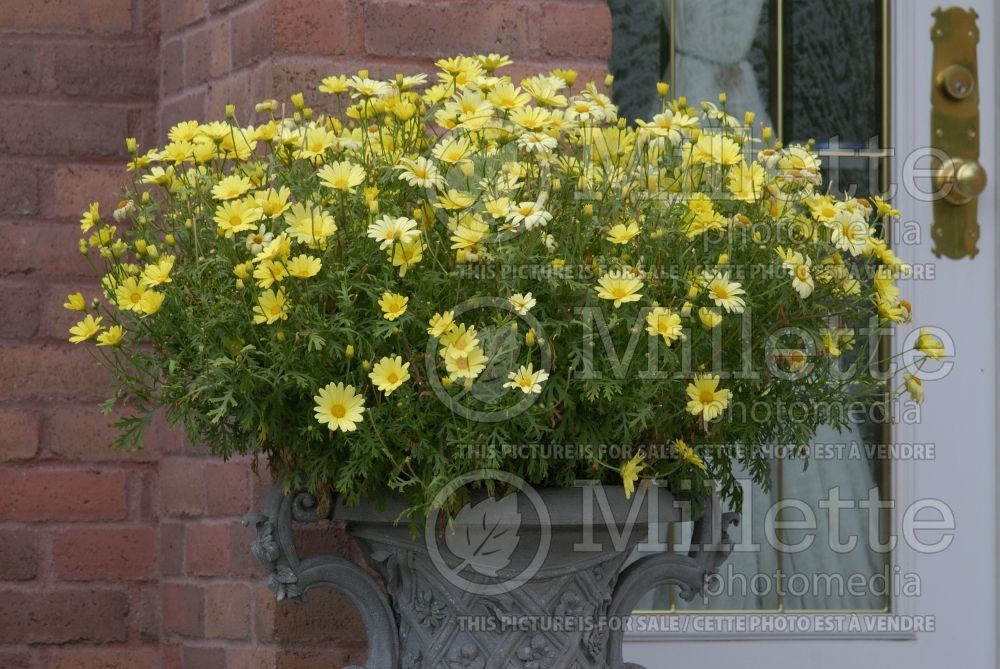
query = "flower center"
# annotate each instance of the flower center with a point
(392, 377)
(338, 411)
(707, 397)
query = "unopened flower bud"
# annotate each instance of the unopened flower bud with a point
(298, 100)
(349, 351)
(662, 88)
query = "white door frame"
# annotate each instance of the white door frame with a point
(959, 585)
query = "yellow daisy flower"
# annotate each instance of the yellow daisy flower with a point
(522, 303)
(273, 202)
(688, 455)
(303, 266)
(706, 399)
(619, 287)
(271, 307)
(914, 386)
(393, 305)
(158, 273)
(407, 254)
(75, 302)
(630, 473)
(725, 293)
(930, 345)
(151, 302)
(85, 329)
(342, 176)
(716, 149)
(709, 318)
(664, 323)
(388, 230)
(527, 380)
(112, 336)
(269, 272)
(339, 407)
(129, 294)
(623, 234)
(309, 224)
(231, 187)
(237, 216)
(389, 374)
(467, 366)
(441, 323)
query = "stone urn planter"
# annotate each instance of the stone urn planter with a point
(534, 580)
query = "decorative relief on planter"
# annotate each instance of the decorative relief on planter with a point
(423, 620)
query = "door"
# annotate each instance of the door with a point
(856, 75)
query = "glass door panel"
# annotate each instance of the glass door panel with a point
(815, 71)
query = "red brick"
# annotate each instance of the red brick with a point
(227, 611)
(182, 487)
(20, 69)
(84, 434)
(93, 553)
(81, 658)
(222, 5)
(145, 618)
(199, 657)
(183, 609)
(42, 250)
(41, 493)
(68, 191)
(18, 555)
(63, 616)
(309, 27)
(252, 36)
(236, 89)
(252, 657)
(206, 549)
(574, 30)
(432, 30)
(47, 372)
(16, 659)
(227, 488)
(180, 13)
(19, 430)
(106, 70)
(302, 74)
(172, 66)
(103, 17)
(44, 128)
(20, 300)
(19, 186)
(308, 623)
(242, 563)
(206, 53)
(171, 549)
(329, 658)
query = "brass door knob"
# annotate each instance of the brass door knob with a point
(960, 181)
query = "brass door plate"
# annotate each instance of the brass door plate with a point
(955, 133)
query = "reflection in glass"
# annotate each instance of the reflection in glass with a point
(812, 69)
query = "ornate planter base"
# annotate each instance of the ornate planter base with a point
(502, 587)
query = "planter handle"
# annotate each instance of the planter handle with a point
(290, 577)
(710, 546)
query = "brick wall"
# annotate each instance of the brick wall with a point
(112, 560)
